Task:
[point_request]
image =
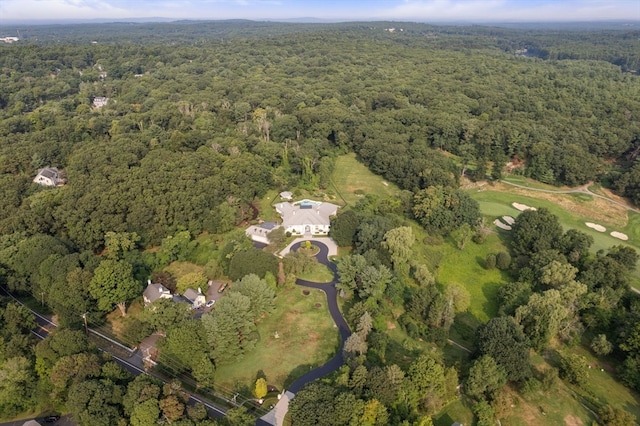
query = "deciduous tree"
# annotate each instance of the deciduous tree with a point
(113, 284)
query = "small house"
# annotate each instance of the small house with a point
(100, 101)
(196, 298)
(260, 233)
(286, 195)
(154, 292)
(49, 176)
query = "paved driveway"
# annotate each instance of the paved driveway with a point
(328, 243)
(275, 416)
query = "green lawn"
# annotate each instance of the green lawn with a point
(466, 267)
(319, 274)
(457, 411)
(265, 206)
(307, 339)
(353, 179)
(179, 269)
(603, 388)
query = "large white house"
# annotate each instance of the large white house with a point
(306, 216)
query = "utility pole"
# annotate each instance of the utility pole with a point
(86, 328)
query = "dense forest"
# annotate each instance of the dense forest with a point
(203, 119)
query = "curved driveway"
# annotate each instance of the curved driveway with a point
(332, 303)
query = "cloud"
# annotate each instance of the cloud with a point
(513, 10)
(413, 10)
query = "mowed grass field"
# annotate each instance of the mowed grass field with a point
(352, 179)
(307, 339)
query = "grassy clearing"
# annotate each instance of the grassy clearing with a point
(319, 274)
(602, 386)
(178, 269)
(353, 180)
(466, 267)
(457, 411)
(307, 338)
(265, 206)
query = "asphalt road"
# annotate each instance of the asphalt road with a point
(45, 326)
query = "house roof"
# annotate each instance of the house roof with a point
(192, 294)
(49, 172)
(306, 212)
(286, 195)
(154, 291)
(31, 423)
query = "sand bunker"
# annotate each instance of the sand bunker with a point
(509, 220)
(619, 235)
(595, 226)
(522, 207)
(501, 225)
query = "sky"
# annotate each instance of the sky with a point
(335, 10)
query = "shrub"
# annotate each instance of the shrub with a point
(503, 260)
(490, 261)
(192, 280)
(574, 368)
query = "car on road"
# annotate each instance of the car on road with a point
(210, 303)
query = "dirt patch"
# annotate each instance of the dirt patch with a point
(390, 325)
(570, 420)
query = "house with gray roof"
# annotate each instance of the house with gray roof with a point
(154, 292)
(306, 216)
(260, 233)
(48, 176)
(195, 297)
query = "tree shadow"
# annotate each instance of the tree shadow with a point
(260, 375)
(490, 292)
(296, 373)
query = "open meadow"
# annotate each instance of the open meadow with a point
(352, 180)
(306, 338)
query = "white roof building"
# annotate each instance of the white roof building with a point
(307, 216)
(100, 101)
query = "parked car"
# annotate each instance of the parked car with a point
(51, 419)
(210, 303)
(222, 287)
